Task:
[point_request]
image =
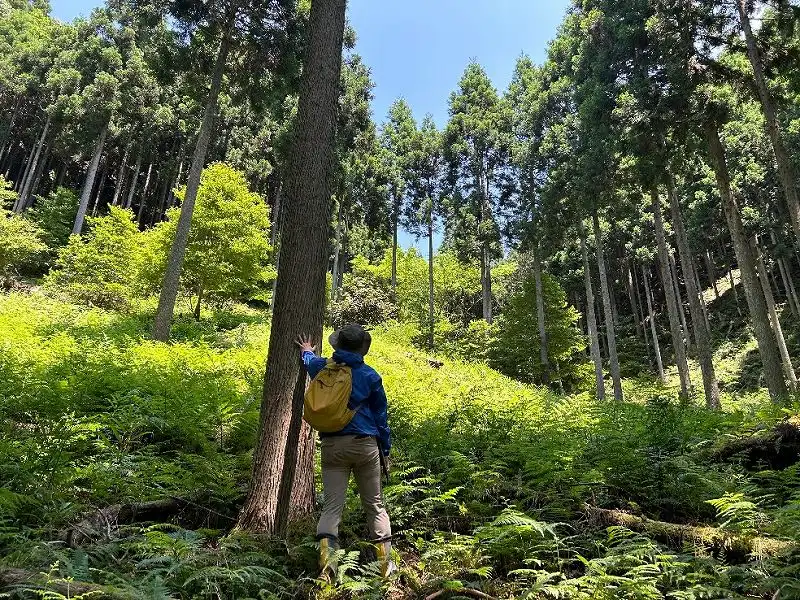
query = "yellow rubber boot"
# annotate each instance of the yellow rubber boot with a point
(327, 560)
(388, 566)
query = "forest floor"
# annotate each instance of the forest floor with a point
(123, 463)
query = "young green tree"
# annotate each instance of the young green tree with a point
(228, 251)
(21, 244)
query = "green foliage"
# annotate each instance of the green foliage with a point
(21, 245)
(515, 351)
(101, 267)
(228, 253)
(7, 195)
(55, 215)
(363, 299)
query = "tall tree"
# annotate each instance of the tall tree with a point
(258, 34)
(476, 147)
(300, 288)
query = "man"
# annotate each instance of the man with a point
(357, 448)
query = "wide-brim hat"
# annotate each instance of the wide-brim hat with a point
(354, 334)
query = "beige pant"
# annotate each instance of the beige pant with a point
(340, 456)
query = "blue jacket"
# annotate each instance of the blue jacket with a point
(368, 397)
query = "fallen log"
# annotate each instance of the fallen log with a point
(11, 578)
(104, 522)
(460, 592)
(778, 448)
(676, 535)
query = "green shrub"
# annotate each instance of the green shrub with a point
(101, 268)
(7, 195)
(21, 245)
(364, 300)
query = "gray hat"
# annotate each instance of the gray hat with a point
(351, 338)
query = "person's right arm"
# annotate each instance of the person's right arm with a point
(311, 361)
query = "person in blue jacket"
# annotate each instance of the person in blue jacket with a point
(357, 448)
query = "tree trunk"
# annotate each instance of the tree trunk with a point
(197, 306)
(143, 198)
(611, 340)
(172, 275)
(637, 319)
(785, 167)
(25, 169)
(134, 181)
(673, 270)
(591, 318)
(431, 314)
(653, 329)
(395, 226)
(701, 334)
(27, 185)
(669, 293)
(486, 258)
(537, 276)
(786, 360)
(702, 295)
(40, 170)
(729, 270)
(300, 289)
(712, 275)
(336, 250)
(276, 216)
(99, 191)
(767, 346)
(120, 175)
(792, 291)
(88, 185)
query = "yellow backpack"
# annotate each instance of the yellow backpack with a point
(325, 406)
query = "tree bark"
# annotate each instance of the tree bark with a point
(25, 168)
(431, 313)
(701, 334)
(653, 329)
(395, 226)
(300, 287)
(673, 270)
(537, 277)
(134, 181)
(172, 275)
(786, 360)
(486, 258)
(611, 339)
(591, 318)
(121, 175)
(27, 185)
(88, 185)
(336, 250)
(37, 176)
(712, 276)
(99, 191)
(669, 293)
(785, 168)
(767, 346)
(629, 283)
(143, 197)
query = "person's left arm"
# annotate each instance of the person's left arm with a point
(313, 363)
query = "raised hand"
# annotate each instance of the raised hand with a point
(304, 341)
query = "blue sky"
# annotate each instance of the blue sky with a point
(418, 49)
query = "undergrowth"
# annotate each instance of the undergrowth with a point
(490, 493)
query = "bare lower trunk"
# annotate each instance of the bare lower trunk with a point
(395, 226)
(653, 329)
(632, 298)
(591, 318)
(786, 360)
(143, 197)
(172, 275)
(134, 181)
(611, 338)
(431, 314)
(88, 186)
(300, 290)
(27, 191)
(767, 345)
(712, 275)
(701, 334)
(785, 168)
(669, 293)
(543, 356)
(99, 191)
(120, 176)
(673, 269)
